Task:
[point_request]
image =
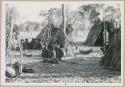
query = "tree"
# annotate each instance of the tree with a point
(53, 15)
(11, 15)
(91, 9)
(112, 13)
(12, 33)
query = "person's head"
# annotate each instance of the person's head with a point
(22, 41)
(26, 40)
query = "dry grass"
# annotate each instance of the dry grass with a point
(76, 69)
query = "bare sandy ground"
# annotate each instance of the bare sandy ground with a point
(74, 69)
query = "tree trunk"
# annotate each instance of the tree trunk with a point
(64, 26)
(10, 41)
(21, 54)
(63, 19)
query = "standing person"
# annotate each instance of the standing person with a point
(22, 44)
(26, 45)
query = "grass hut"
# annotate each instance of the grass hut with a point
(112, 52)
(53, 40)
(96, 34)
(112, 56)
(53, 35)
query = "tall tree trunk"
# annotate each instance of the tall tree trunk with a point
(104, 31)
(10, 41)
(63, 19)
(21, 54)
(64, 28)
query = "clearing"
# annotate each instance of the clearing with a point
(74, 69)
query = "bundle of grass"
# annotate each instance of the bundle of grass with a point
(112, 56)
(86, 51)
(28, 70)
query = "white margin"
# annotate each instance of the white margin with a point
(60, 84)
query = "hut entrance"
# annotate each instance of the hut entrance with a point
(99, 34)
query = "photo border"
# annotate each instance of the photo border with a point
(59, 84)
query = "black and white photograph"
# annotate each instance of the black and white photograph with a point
(62, 42)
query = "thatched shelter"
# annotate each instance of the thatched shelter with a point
(112, 56)
(53, 35)
(112, 50)
(53, 40)
(96, 34)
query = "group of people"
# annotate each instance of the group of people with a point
(34, 44)
(52, 53)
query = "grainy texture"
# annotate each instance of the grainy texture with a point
(112, 56)
(77, 69)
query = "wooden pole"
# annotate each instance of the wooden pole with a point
(104, 31)
(63, 19)
(64, 27)
(21, 54)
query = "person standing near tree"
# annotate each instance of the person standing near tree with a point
(26, 45)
